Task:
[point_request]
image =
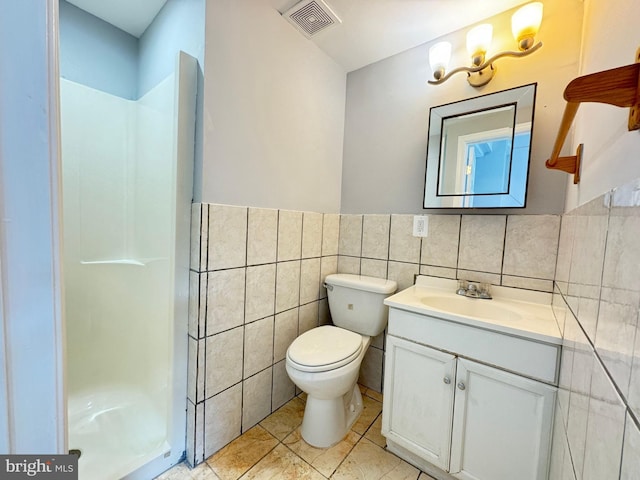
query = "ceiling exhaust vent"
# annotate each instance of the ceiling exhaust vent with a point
(311, 17)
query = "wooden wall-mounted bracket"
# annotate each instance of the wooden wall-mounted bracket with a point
(618, 86)
(569, 164)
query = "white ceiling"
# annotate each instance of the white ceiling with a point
(370, 31)
(375, 29)
(132, 16)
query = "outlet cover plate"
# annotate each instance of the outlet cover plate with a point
(420, 225)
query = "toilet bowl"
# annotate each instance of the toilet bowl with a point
(325, 361)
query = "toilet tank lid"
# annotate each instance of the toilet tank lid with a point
(362, 282)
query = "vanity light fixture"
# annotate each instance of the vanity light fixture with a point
(525, 23)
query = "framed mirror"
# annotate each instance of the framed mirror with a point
(478, 151)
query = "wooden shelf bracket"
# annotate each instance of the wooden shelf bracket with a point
(618, 86)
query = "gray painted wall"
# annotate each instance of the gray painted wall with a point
(274, 113)
(101, 56)
(97, 54)
(387, 112)
(178, 26)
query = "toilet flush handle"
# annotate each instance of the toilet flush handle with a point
(327, 286)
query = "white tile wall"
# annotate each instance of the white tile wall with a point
(349, 265)
(195, 429)
(458, 246)
(225, 300)
(227, 237)
(262, 237)
(370, 373)
(311, 235)
(289, 235)
(258, 344)
(197, 304)
(403, 273)
(403, 246)
(283, 387)
(308, 317)
(375, 236)
(255, 283)
(481, 243)
(350, 235)
(309, 280)
(330, 234)
(440, 248)
(256, 398)
(199, 236)
(193, 372)
(287, 285)
(605, 429)
(530, 247)
(374, 268)
(328, 265)
(286, 330)
(631, 451)
(259, 285)
(527, 283)
(222, 419)
(223, 360)
(597, 305)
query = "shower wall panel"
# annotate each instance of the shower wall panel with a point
(119, 184)
(118, 179)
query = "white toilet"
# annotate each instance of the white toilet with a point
(325, 361)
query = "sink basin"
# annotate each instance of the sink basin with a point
(523, 313)
(471, 307)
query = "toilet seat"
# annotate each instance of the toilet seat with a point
(324, 348)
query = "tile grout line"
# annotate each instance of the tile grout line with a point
(504, 247)
(204, 343)
(300, 458)
(244, 319)
(275, 297)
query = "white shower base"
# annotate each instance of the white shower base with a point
(118, 429)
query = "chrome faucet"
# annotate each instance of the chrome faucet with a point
(473, 290)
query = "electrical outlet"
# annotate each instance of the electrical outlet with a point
(420, 225)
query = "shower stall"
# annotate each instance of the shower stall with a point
(127, 189)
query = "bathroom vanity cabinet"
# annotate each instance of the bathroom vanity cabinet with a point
(475, 403)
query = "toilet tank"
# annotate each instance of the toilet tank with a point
(356, 302)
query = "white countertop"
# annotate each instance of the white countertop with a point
(524, 313)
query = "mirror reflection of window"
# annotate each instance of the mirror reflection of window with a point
(497, 164)
(481, 144)
(488, 166)
(478, 151)
(485, 164)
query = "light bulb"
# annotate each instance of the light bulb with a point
(525, 23)
(478, 42)
(439, 56)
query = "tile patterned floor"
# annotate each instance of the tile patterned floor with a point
(274, 449)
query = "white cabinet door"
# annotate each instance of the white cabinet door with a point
(419, 384)
(502, 425)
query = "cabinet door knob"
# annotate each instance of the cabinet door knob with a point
(461, 386)
(446, 380)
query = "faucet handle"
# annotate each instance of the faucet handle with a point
(484, 291)
(472, 290)
(462, 287)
